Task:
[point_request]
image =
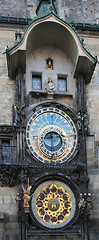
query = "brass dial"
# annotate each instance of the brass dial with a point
(53, 204)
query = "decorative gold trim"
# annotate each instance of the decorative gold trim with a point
(53, 204)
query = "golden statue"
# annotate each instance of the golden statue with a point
(27, 198)
(49, 63)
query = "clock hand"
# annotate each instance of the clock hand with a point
(54, 136)
(63, 134)
(51, 119)
(34, 137)
(69, 134)
(51, 138)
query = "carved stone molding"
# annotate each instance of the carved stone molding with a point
(11, 175)
(6, 129)
(84, 179)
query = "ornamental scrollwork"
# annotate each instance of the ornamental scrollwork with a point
(6, 129)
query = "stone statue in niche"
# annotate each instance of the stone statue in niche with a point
(16, 116)
(18, 200)
(86, 120)
(84, 203)
(19, 116)
(50, 86)
(81, 203)
(22, 116)
(88, 202)
(79, 120)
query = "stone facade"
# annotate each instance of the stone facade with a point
(85, 11)
(8, 206)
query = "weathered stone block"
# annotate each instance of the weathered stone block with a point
(7, 199)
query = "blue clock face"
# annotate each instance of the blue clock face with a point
(52, 141)
(51, 135)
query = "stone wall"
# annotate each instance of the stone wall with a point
(62, 65)
(77, 11)
(7, 85)
(8, 207)
(92, 93)
(54, 237)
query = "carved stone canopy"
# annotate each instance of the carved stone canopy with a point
(34, 37)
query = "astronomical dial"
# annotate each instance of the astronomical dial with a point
(51, 135)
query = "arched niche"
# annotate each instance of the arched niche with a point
(52, 34)
(53, 31)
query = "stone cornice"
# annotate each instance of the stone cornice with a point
(26, 21)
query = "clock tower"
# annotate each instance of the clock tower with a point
(50, 120)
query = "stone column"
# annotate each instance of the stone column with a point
(19, 87)
(82, 132)
(81, 93)
(19, 118)
(81, 110)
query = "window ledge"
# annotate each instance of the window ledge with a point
(61, 94)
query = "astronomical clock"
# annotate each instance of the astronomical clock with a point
(51, 137)
(53, 204)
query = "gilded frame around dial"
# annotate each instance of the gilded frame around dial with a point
(51, 135)
(53, 204)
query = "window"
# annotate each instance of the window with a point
(36, 82)
(6, 151)
(62, 83)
